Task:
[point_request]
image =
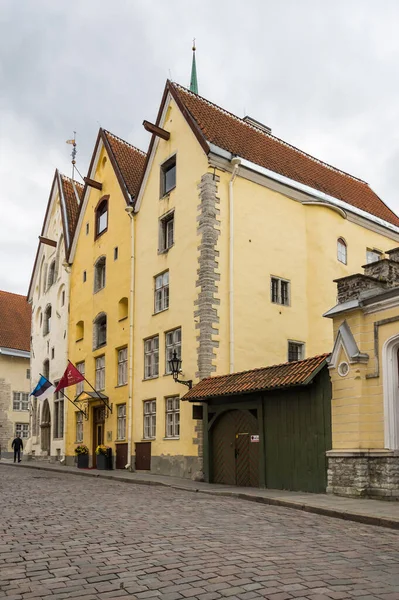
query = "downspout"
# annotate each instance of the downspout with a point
(235, 161)
(130, 211)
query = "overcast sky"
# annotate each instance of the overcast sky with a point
(322, 74)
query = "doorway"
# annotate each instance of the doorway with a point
(45, 428)
(98, 430)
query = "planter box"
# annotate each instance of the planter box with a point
(104, 463)
(83, 461)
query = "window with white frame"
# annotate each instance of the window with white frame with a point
(150, 419)
(166, 231)
(168, 175)
(58, 419)
(100, 373)
(122, 366)
(20, 401)
(79, 426)
(151, 357)
(280, 291)
(102, 217)
(296, 351)
(373, 255)
(79, 386)
(100, 331)
(172, 343)
(342, 251)
(161, 299)
(121, 421)
(172, 417)
(22, 429)
(99, 274)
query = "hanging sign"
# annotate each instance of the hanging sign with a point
(254, 438)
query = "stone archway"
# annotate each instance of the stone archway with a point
(45, 428)
(390, 374)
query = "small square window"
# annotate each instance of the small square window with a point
(296, 351)
(168, 176)
(280, 291)
(116, 253)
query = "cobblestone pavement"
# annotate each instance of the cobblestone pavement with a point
(66, 537)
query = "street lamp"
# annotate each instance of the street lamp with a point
(175, 368)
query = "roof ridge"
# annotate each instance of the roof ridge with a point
(292, 362)
(124, 142)
(271, 135)
(13, 294)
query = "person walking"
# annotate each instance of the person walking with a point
(17, 444)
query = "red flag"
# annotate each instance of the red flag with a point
(70, 377)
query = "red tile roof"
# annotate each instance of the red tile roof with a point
(267, 378)
(235, 135)
(129, 159)
(15, 321)
(71, 201)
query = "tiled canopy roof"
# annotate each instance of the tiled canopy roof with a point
(235, 135)
(268, 378)
(15, 321)
(71, 201)
(129, 159)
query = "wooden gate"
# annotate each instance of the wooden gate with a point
(121, 456)
(143, 456)
(235, 450)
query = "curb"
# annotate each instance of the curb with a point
(319, 510)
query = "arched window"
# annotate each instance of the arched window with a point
(100, 331)
(46, 369)
(99, 274)
(51, 275)
(47, 320)
(80, 330)
(390, 373)
(342, 251)
(123, 308)
(102, 216)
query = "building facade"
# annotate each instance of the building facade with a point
(238, 239)
(364, 368)
(15, 321)
(49, 297)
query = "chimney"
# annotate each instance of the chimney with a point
(386, 270)
(351, 287)
(393, 254)
(257, 124)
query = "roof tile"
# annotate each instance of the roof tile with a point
(263, 379)
(130, 161)
(71, 201)
(15, 321)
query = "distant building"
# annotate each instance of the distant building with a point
(15, 319)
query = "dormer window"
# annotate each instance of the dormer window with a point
(102, 216)
(168, 175)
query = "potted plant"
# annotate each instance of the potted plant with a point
(104, 457)
(82, 454)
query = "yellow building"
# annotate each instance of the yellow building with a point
(100, 284)
(238, 238)
(364, 368)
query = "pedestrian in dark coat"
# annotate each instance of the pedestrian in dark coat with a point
(17, 444)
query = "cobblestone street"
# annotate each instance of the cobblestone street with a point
(77, 537)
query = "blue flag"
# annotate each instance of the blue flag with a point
(44, 389)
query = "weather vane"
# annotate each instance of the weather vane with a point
(73, 153)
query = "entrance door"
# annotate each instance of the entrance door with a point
(121, 456)
(235, 449)
(45, 428)
(143, 456)
(98, 430)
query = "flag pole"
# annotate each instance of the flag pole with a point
(65, 396)
(94, 390)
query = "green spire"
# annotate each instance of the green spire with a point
(194, 81)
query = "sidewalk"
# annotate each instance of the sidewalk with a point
(372, 512)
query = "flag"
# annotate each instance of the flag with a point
(44, 389)
(70, 377)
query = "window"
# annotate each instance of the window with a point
(46, 369)
(121, 421)
(173, 342)
(47, 320)
(80, 330)
(166, 231)
(58, 415)
(99, 274)
(100, 331)
(87, 232)
(168, 175)
(20, 401)
(280, 291)
(173, 417)
(342, 251)
(161, 294)
(122, 366)
(123, 309)
(102, 217)
(27, 373)
(84, 276)
(100, 373)
(296, 351)
(373, 255)
(79, 427)
(79, 386)
(22, 429)
(62, 297)
(150, 418)
(51, 275)
(52, 353)
(116, 252)
(151, 357)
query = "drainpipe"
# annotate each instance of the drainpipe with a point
(130, 211)
(236, 164)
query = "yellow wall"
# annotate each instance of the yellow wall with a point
(86, 305)
(12, 379)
